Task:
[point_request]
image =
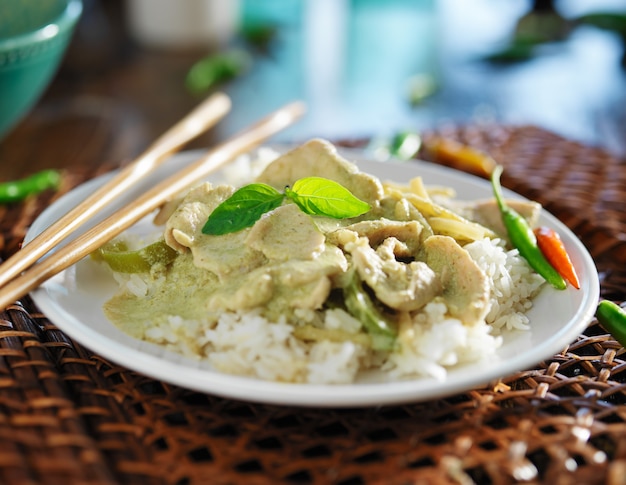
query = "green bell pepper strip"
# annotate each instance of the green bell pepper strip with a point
(522, 236)
(360, 306)
(18, 190)
(613, 318)
(121, 260)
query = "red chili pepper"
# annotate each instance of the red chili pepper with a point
(553, 249)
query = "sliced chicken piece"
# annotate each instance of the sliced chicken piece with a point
(307, 284)
(166, 211)
(286, 233)
(244, 292)
(402, 286)
(226, 255)
(283, 286)
(187, 220)
(341, 238)
(378, 230)
(402, 210)
(222, 255)
(318, 158)
(465, 285)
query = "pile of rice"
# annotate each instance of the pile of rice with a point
(248, 344)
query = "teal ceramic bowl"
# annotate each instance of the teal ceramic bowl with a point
(34, 35)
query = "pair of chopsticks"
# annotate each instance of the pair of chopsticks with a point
(19, 274)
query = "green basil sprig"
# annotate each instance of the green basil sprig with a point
(314, 195)
(322, 197)
(242, 209)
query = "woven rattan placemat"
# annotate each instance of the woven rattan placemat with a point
(68, 416)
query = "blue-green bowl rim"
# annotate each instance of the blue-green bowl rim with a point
(65, 22)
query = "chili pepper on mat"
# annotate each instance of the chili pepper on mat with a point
(522, 236)
(17, 190)
(553, 249)
(460, 156)
(613, 318)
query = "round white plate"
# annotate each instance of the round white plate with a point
(73, 301)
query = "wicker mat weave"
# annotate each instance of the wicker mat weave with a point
(68, 416)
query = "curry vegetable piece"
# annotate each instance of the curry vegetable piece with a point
(448, 222)
(359, 304)
(522, 236)
(120, 259)
(459, 230)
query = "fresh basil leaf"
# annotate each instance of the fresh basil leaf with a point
(323, 197)
(242, 209)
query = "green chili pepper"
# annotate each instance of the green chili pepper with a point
(17, 190)
(613, 318)
(121, 260)
(522, 236)
(360, 306)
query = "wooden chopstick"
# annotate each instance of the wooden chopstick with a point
(149, 201)
(204, 116)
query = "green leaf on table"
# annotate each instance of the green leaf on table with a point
(216, 69)
(405, 145)
(242, 209)
(323, 197)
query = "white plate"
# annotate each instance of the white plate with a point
(73, 301)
